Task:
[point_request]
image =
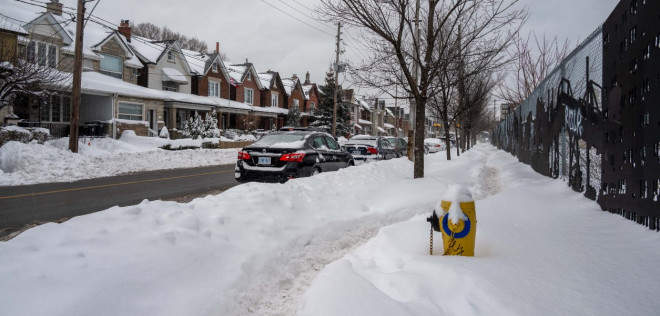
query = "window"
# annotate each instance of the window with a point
(66, 109)
(214, 89)
(318, 143)
(130, 111)
(45, 112)
(42, 53)
(112, 66)
(332, 144)
(52, 56)
(249, 96)
(56, 109)
(312, 107)
(296, 103)
(170, 56)
(274, 99)
(214, 67)
(170, 86)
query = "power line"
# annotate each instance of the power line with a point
(306, 7)
(312, 26)
(305, 14)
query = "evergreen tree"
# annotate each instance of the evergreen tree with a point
(193, 127)
(293, 119)
(210, 128)
(323, 115)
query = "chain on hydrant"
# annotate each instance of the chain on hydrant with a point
(431, 246)
(435, 225)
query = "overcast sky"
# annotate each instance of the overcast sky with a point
(273, 40)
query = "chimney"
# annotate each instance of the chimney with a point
(125, 29)
(307, 78)
(295, 76)
(54, 7)
(217, 47)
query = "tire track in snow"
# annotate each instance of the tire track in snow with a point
(276, 287)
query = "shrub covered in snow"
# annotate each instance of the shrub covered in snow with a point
(41, 135)
(196, 127)
(164, 133)
(19, 134)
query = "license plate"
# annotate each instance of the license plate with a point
(356, 150)
(264, 161)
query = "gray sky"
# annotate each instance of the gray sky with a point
(273, 40)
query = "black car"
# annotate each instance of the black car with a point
(367, 148)
(280, 156)
(400, 145)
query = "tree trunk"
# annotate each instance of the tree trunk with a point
(420, 116)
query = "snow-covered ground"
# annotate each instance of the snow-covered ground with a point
(352, 242)
(102, 157)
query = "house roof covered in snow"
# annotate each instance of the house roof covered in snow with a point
(291, 84)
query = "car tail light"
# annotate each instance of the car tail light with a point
(372, 150)
(295, 157)
(243, 155)
(437, 145)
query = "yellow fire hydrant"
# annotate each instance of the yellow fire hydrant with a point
(457, 222)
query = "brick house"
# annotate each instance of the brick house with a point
(295, 95)
(273, 95)
(245, 87)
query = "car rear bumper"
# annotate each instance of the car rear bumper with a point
(247, 173)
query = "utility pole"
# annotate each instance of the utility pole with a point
(334, 104)
(494, 116)
(412, 117)
(77, 78)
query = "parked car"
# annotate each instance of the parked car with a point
(400, 145)
(435, 144)
(367, 148)
(280, 156)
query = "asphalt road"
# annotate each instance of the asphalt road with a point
(21, 205)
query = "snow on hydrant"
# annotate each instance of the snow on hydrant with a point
(457, 222)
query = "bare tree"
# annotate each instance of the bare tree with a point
(390, 27)
(147, 30)
(478, 91)
(154, 32)
(470, 54)
(534, 59)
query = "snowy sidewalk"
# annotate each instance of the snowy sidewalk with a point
(256, 248)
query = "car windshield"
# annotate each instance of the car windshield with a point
(392, 140)
(362, 141)
(288, 140)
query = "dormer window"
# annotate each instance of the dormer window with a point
(214, 67)
(112, 66)
(42, 53)
(249, 76)
(170, 56)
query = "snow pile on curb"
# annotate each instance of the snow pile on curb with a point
(101, 157)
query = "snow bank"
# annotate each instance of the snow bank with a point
(101, 157)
